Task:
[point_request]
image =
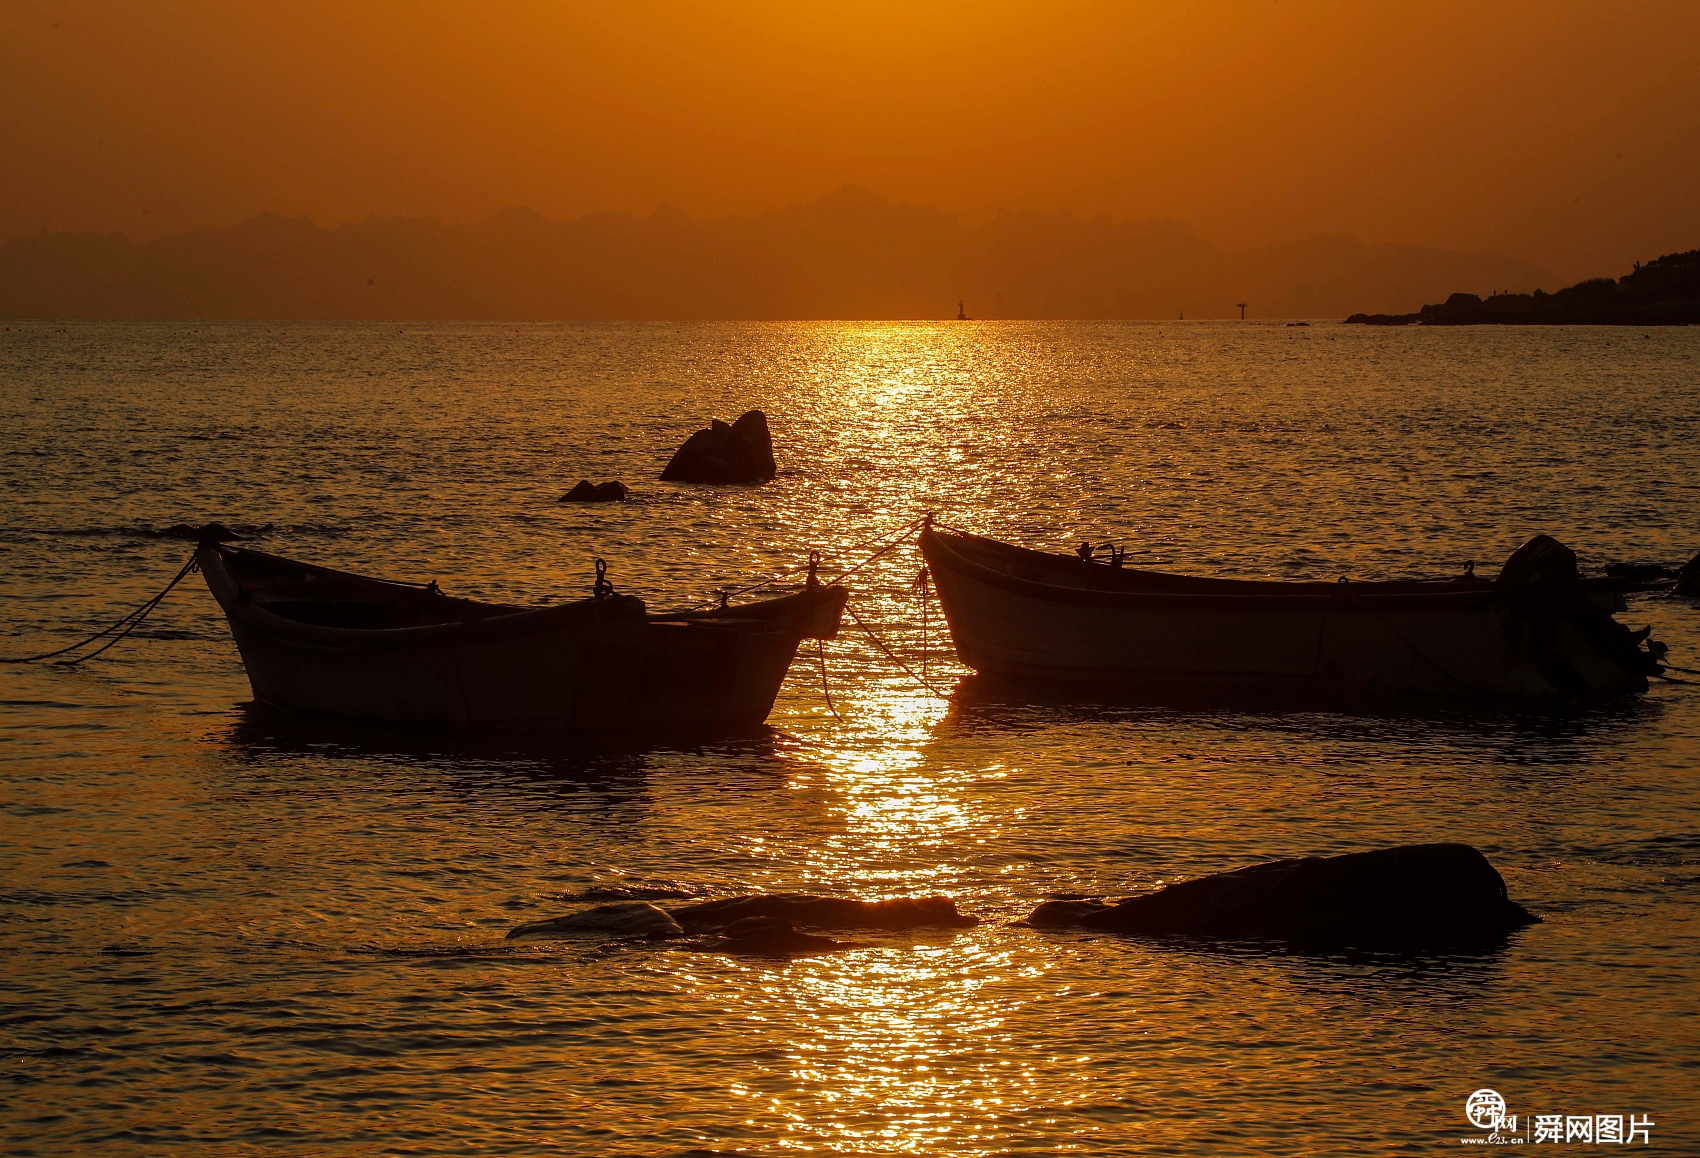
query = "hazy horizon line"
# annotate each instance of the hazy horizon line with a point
(848, 255)
(667, 209)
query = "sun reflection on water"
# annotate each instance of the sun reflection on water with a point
(898, 1051)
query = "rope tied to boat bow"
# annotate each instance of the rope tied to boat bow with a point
(891, 542)
(922, 590)
(123, 627)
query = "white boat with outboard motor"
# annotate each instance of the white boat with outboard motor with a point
(1538, 629)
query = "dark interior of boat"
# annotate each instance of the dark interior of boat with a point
(326, 598)
(1099, 574)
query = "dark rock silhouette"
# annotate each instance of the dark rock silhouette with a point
(762, 923)
(774, 937)
(1410, 898)
(604, 893)
(827, 912)
(608, 492)
(1063, 914)
(206, 533)
(1663, 292)
(625, 918)
(1688, 579)
(722, 454)
(1638, 572)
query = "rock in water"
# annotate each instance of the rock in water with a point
(774, 937)
(722, 454)
(1410, 898)
(1637, 572)
(1688, 579)
(608, 492)
(627, 918)
(752, 428)
(827, 912)
(1063, 914)
(207, 533)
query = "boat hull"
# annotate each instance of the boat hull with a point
(598, 665)
(725, 667)
(1028, 615)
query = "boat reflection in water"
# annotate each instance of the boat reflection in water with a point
(480, 758)
(317, 640)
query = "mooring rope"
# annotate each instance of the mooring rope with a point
(128, 623)
(820, 651)
(892, 655)
(896, 538)
(921, 586)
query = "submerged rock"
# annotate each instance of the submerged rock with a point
(611, 491)
(827, 912)
(722, 454)
(1638, 572)
(661, 892)
(626, 918)
(1688, 579)
(1411, 898)
(774, 936)
(206, 533)
(1063, 914)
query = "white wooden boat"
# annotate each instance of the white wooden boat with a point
(1537, 630)
(317, 640)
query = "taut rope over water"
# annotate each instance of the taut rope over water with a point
(898, 538)
(123, 627)
(892, 655)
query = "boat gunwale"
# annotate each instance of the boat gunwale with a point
(1316, 598)
(509, 622)
(762, 611)
(508, 625)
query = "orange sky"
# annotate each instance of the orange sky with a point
(1561, 132)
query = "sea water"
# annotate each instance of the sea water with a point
(227, 932)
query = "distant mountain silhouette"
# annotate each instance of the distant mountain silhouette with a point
(1664, 292)
(849, 255)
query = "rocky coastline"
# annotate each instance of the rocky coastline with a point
(1663, 292)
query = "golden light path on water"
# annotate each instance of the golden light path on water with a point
(887, 1027)
(231, 932)
(916, 1031)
